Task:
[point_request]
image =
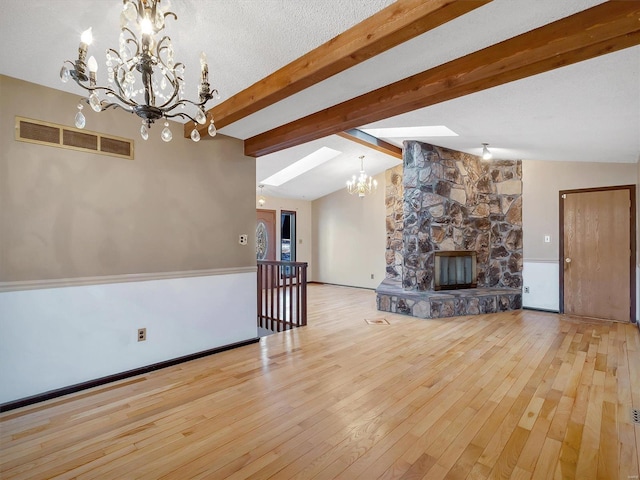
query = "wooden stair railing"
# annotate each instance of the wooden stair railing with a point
(282, 295)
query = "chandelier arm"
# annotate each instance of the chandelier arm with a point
(137, 6)
(181, 115)
(161, 47)
(131, 39)
(114, 105)
(137, 44)
(111, 91)
(185, 102)
(171, 14)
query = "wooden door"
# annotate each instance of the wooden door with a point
(266, 248)
(266, 234)
(598, 253)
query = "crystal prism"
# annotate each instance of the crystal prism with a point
(166, 134)
(195, 135)
(144, 133)
(64, 74)
(201, 118)
(130, 11)
(94, 101)
(80, 120)
(212, 129)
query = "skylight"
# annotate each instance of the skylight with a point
(303, 165)
(411, 132)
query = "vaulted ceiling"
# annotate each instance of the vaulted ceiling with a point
(540, 96)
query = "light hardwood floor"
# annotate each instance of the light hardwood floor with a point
(514, 395)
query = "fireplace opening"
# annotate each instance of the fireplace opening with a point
(455, 270)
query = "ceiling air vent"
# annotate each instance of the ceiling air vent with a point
(45, 133)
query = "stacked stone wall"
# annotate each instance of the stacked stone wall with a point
(454, 201)
(394, 200)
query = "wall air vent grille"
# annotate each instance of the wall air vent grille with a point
(41, 133)
(116, 147)
(85, 141)
(54, 135)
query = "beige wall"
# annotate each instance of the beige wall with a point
(349, 238)
(543, 180)
(178, 206)
(304, 246)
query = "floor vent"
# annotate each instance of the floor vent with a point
(54, 135)
(635, 415)
(377, 321)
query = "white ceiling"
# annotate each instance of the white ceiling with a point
(585, 112)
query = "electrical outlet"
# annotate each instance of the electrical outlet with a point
(244, 239)
(142, 334)
(526, 289)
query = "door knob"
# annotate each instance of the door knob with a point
(568, 260)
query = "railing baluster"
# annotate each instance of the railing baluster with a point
(303, 295)
(282, 295)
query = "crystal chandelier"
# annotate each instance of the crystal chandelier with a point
(362, 185)
(143, 77)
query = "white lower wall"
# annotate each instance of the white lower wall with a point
(57, 337)
(544, 286)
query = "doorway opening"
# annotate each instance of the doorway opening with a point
(287, 238)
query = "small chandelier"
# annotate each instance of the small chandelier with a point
(143, 77)
(261, 199)
(362, 185)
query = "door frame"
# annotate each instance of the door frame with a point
(632, 241)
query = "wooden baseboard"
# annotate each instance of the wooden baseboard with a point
(59, 392)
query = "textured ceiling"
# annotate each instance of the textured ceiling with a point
(585, 112)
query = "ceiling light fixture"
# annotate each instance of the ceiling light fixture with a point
(142, 66)
(364, 184)
(261, 199)
(486, 153)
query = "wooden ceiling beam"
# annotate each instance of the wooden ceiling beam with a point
(603, 29)
(363, 138)
(392, 26)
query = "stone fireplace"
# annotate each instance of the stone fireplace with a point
(454, 222)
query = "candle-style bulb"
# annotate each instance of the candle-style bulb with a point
(92, 64)
(87, 37)
(204, 67)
